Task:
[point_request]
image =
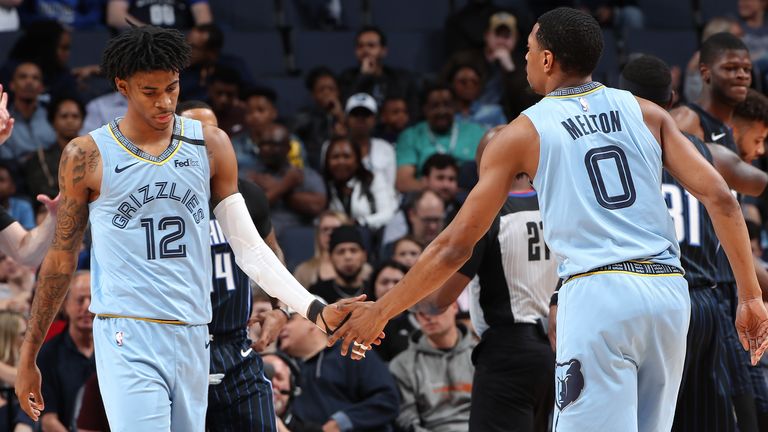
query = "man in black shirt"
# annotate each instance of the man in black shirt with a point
(348, 257)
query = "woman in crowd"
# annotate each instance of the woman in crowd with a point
(354, 190)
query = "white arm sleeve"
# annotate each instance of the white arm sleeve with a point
(256, 259)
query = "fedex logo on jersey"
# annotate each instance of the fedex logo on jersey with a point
(186, 163)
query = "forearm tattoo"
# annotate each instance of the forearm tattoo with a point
(59, 264)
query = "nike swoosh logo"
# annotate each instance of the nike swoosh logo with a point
(246, 353)
(716, 137)
(119, 170)
(207, 344)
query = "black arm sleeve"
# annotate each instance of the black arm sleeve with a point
(258, 206)
(5, 219)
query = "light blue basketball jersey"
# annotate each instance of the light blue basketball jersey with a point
(599, 180)
(151, 253)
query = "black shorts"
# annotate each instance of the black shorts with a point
(243, 400)
(513, 387)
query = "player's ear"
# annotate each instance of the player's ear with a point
(122, 86)
(548, 60)
(706, 75)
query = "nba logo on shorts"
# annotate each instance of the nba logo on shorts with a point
(569, 383)
(119, 338)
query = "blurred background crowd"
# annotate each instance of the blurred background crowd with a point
(358, 118)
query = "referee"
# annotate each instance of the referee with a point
(514, 365)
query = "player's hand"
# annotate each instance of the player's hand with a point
(364, 327)
(51, 204)
(552, 327)
(28, 382)
(6, 121)
(752, 326)
(271, 323)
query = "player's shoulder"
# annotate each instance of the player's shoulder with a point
(683, 114)
(82, 147)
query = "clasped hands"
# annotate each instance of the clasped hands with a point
(358, 323)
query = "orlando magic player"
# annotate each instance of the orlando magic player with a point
(705, 399)
(595, 155)
(241, 396)
(726, 74)
(144, 182)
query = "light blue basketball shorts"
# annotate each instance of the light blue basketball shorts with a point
(621, 341)
(152, 376)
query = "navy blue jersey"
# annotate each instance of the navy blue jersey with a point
(231, 292)
(717, 132)
(693, 227)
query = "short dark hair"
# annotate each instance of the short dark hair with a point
(717, 44)
(225, 74)
(648, 77)
(215, 40)
(315, 74)
(372, 29)
(753, 108)
(574, 37)
(57, 101)
(190, 105)
(455, 68)
(390, 263)
(260, 91)
(144, 49)
(439, 161)
(431, 87)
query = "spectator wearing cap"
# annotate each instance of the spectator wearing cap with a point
(348, 256)
(261, 114)
(337, 393)
(502, 66)
(439, 133)
(378, 155)
(353, 189)
(372, 76)
(467, 84)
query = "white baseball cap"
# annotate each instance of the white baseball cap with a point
(361, 100)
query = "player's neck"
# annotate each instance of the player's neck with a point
(136, 129)
(717, 109)
(559, 81)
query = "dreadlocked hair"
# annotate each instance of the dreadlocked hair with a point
(144, 49)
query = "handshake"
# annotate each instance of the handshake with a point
(358, 323)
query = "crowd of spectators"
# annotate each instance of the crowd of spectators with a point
(360, 180)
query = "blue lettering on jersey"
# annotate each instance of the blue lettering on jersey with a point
(150, 192)
(592, 123)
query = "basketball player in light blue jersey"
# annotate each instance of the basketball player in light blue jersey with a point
(596, 157)
(144, 182)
